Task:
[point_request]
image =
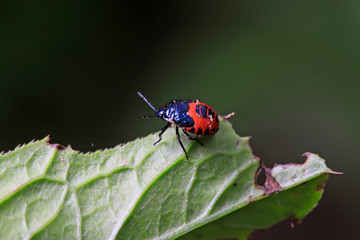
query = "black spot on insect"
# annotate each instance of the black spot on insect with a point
(217, 118)
(192, 130)
(211, 113)
(204, 111)
(213, 131)
(199, 132)
(198, 109)
(206, 132)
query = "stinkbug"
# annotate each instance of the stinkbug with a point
(191, 116)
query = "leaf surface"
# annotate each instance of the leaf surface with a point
(141, 191)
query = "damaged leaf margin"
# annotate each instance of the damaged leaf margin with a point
(283, 176)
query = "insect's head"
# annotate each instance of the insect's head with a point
(160, 113)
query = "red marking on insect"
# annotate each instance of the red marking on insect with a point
(206, 121)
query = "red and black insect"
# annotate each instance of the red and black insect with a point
(189, 115)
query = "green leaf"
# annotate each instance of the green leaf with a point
(141, 191)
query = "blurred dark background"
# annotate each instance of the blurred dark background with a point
(289, 69)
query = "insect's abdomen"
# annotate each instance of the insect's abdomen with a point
(206, 121)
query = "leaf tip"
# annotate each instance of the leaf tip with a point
(310, 156)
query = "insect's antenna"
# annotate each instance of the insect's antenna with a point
(145, 117)
(139, 93)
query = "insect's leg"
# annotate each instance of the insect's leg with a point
(161, 132)
(192, 138)
(182, 146)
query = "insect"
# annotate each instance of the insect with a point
(191, 116)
